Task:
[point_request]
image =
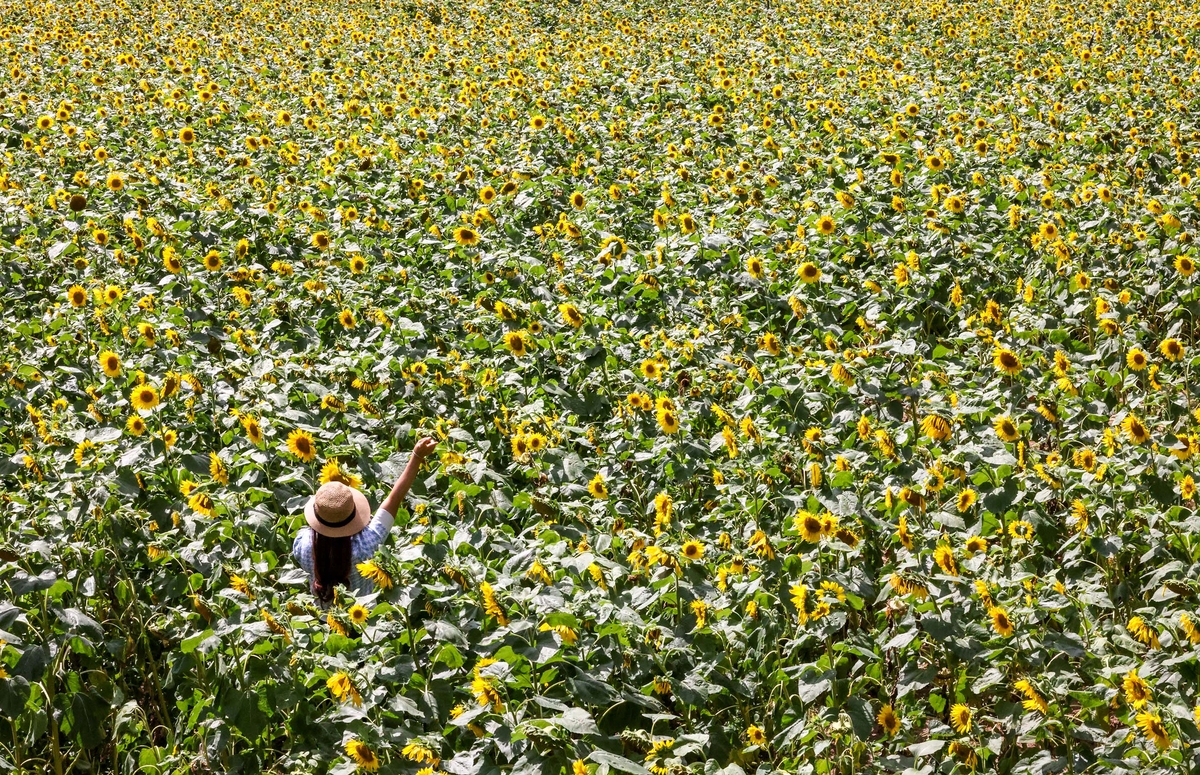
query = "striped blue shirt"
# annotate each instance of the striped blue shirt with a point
(362, 548)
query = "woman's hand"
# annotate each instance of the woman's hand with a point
(424, 448)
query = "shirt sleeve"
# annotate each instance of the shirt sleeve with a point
(302, 550)
(373, 535)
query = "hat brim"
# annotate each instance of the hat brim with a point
(361, 518)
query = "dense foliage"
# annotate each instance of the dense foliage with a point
(811, 382)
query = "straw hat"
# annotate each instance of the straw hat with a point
(337, 510)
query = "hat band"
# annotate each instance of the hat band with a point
(327, 523)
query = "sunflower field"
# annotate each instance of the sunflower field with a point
(811, 383)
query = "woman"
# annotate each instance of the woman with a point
(341, 532)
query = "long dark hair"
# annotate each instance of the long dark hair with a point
(331, 564)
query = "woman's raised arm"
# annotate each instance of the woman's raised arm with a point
(423, 450)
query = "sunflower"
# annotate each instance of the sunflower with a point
(373, 572)
(577, 200)
(1171, 349)
(1185, 265)
(110, 363)
(212, 261)
(342, 687)
(754, 267)
(1006, 429)
(187, 135)
(171, 260)
(974, 545)
(693, 550)
(300, 443)
(1137, 693)
(1136, 359)
(1135, 429)
(77, 295)
(253, 430)
(966, 499)
(1048, 231)
(1152, 726)
(652, 369)
(346, 318)
(1022, 529)
(515, 342)
(809, 526)
(465, 235)
(1144, 633)
(321, 240)
(1000, 621)
(667, 420)
(755, 735)
(361, 755)
(936, 427)
(143, 397)
(571, 315)
(597, 487)
(960, 718)
(826, 225)
(809, 272)
(358, 614)
(687, 223)
(888, 720)
(944, 557)
(537, 122)
(135, 425)
(955, 204)
(1007, 362)
(201, 503)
